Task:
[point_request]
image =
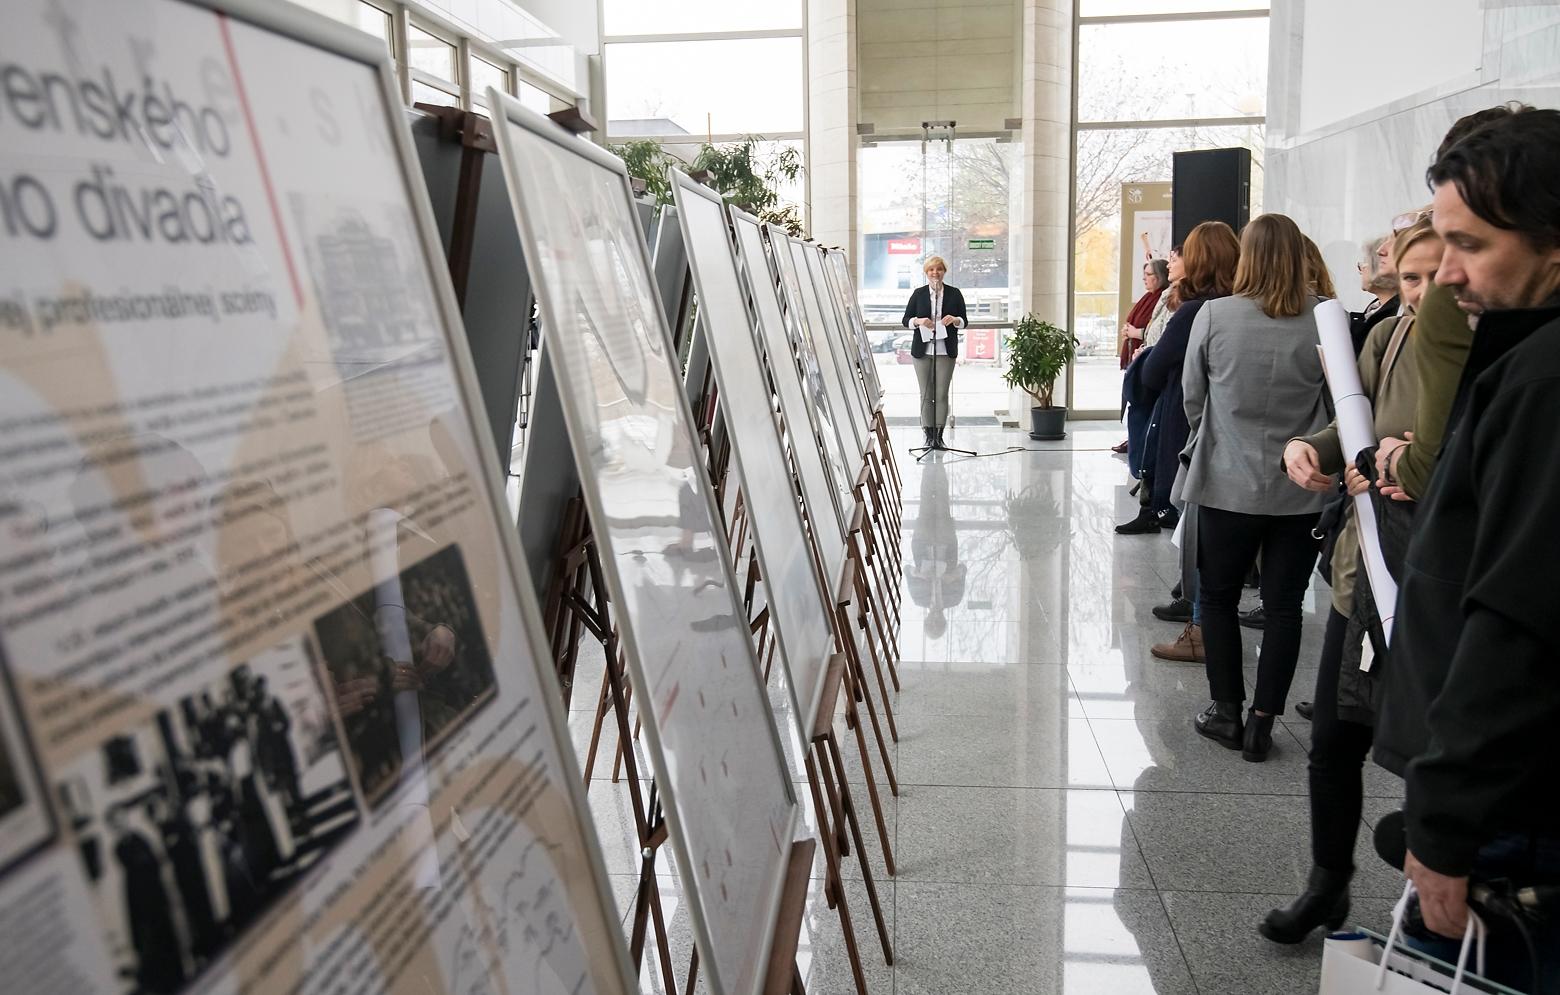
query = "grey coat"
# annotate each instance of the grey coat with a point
(1251, 384)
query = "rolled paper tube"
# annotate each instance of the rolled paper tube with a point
(1356, 432)
(395, 642)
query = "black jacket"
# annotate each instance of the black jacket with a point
(1472, 696)
(1162, 373)
(920, 306)
(1361, 323)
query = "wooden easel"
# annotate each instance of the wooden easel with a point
(577, 600)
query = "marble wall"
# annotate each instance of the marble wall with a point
(1343, 181)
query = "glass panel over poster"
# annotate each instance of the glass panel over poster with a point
(708, 724)
(839, 279)
(804, 421)
(840, 338)
(824, 342)
(790, 585)
(822, 385)
(274, 707)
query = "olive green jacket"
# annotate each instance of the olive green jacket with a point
(1390, 375)
(1443, 341)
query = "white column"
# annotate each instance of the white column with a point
(1043, 237)
(832, 115)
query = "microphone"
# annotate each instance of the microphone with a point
(1392, 839)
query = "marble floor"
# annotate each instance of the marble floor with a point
(1059, 827)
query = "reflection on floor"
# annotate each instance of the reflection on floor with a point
(1060, 827)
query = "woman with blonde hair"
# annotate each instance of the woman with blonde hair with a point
(1342, 723)
(1253, 381)
(935, 313)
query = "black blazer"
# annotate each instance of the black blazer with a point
(920, 306)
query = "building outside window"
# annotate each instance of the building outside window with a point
(1145, 90)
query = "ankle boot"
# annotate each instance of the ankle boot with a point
(1325, 902)
(1145, 522)
(1220, 722)
(1187, 648)
(1258, 739)
(926, 430)
(937, 439)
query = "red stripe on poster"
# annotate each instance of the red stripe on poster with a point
(265, 173)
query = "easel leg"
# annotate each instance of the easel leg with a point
(603, 703)
(858, 681)
(834, 885)
(855, 829)
(866, 770)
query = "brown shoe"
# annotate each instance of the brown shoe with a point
(1187, 648)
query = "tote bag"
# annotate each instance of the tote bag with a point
(1361, 963)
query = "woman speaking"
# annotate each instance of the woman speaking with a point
(934, 315)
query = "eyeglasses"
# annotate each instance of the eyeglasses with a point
(1410, 219)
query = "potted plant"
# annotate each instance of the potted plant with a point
(1038, 352)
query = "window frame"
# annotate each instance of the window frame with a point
(1079, 21)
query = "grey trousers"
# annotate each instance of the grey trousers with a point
(934, 397)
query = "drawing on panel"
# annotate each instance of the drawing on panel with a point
(384, 337)
(191, 826)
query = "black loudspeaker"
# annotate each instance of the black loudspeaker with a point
(1210, 185)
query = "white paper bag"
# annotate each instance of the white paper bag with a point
(1359, 964)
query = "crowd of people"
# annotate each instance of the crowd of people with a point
(1453, 684)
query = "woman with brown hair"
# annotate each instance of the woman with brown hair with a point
(1344, 717)
(1207, 267)
(1253, 381)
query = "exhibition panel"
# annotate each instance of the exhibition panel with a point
(806, 423)
(801, 616)
(282, 717)
(708, 727)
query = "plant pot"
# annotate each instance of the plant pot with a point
(1048, 424)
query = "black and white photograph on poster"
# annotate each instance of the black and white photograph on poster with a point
(25, 824)
(384, 340)
(192, 825)
(409, 665)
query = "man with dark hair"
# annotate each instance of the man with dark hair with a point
(1473, 686)
(1469, 123)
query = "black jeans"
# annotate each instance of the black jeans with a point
(1227, 543)
(1338, 751)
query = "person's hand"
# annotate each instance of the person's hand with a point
(355, 695)
(1301, 463)
(438, 648)
(1394, 491)
(924, 323)
(1387, 455)
(1443, 900)
(1355, 482)
(1135, 333)
(949, 319)
(404, 677)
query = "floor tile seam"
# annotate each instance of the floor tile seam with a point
(1102, 789)
(1302, 792)
(1103, 890)
(1180, 947)
(1004, 883)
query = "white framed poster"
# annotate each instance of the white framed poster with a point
(818, 366)
(839, 277)
(807, 422)
(790, 584)
(709, 728)
(262, 608)
(842, 341)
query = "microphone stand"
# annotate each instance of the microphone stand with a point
(920, 452)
